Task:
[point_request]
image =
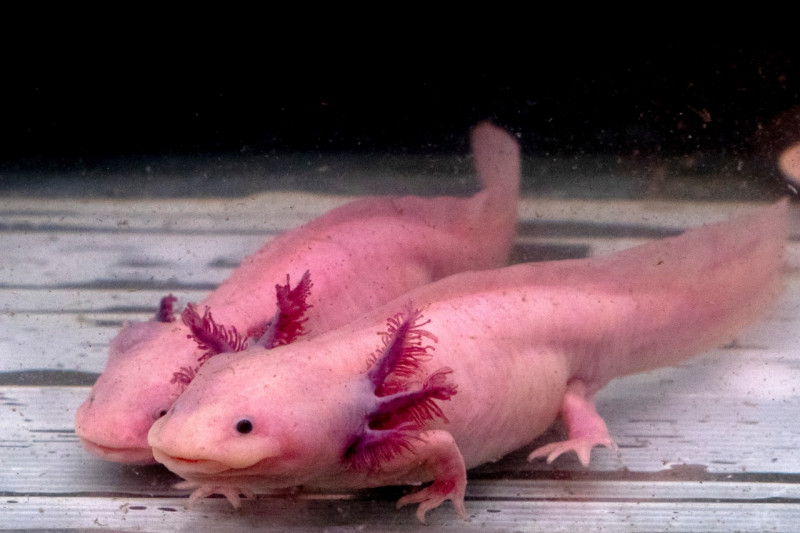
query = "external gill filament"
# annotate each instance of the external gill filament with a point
(285, 326)
(413, 409)
(390, 428)
(402, 352)
(210, 336)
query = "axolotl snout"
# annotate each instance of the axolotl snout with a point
(467, 369)
(358, 256)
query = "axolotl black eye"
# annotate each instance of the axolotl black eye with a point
(244, 426)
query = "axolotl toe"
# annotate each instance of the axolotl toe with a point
(359, 256)
(467, 369)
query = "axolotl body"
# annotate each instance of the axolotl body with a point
(358, 257)
(467, 369)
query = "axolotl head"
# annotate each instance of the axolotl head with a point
(320, 413)
(253, 414)
(151, 362)
(134, 390)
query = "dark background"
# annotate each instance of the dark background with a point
(620, 100)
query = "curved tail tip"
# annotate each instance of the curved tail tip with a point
(487, 127)
(493, 143)
(789, 166)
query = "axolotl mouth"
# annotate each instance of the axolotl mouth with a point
(187, 467)
(199, 472)
(134, 456)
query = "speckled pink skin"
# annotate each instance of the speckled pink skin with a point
(359, 256)
(525, 343)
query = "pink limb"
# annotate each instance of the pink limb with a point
(585, 427)
(435, 453)
(232, 494)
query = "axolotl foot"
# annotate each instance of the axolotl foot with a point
(581, 446)
(232, 494)
(585, 427)
(437, 453)
(434, 495)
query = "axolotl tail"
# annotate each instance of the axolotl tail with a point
(496, 156)
(695, 291)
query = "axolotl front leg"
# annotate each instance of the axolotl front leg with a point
(433, 454)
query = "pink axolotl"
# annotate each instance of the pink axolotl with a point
(467, 369)
(359, 256)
